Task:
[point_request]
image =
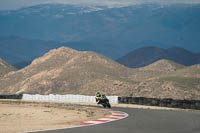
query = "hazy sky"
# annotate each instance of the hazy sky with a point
(15, 4)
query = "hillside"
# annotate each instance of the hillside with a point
(152, 71)
(166, 79)
(68, 71)
(65, 70)
(192, 71)
(5, 68)
(147, 55)
(185, 79)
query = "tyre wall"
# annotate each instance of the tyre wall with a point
(184, 104)
(11, 96)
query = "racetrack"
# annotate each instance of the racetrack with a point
(144, 121)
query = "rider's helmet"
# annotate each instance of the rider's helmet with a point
(98, 94)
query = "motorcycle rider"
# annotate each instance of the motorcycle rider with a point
(104, 98)
(98, 97)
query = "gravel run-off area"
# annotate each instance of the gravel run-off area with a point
(17, 116)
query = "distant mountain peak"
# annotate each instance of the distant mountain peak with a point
(178, 49)
(147, 55)
(62, 51)
(163, 65)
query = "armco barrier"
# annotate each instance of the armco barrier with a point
(66, 98)
(11, 96)
(185, 104)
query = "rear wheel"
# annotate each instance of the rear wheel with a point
(104, 105)
(108, 105)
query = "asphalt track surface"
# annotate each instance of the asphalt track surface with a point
(144, 121)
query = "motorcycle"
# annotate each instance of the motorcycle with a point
(105, 103)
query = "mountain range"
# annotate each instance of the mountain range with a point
(103, 29)
(20, 52)
(68, 71)
(148, 55)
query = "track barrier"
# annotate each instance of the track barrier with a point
(66, 98)
(11, 96)
(167, 102)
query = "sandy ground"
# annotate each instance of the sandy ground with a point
(17, 117)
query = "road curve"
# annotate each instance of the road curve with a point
(144, 121)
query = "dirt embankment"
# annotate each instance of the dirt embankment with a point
(18, 117)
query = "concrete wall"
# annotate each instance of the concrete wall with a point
(66, 98)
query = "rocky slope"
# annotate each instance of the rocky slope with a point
(166, 79)
(64, 71)
(5, 68)
(185, 80)
(161, 67)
